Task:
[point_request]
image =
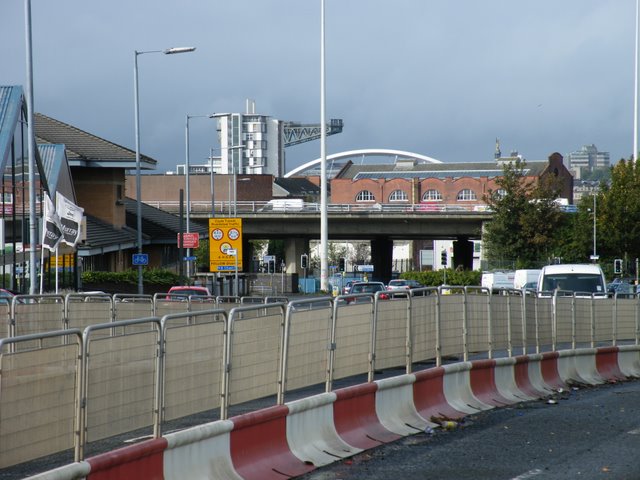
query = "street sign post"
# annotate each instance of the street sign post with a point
(140, 259)
(189, 240)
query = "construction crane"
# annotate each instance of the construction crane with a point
(295, 133)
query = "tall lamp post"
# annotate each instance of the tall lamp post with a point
(324, 229)
(168, 51)
(187, 183)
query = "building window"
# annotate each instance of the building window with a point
(365, 196)
(432, 196)
(398, 196)
(466, 195)
(500, 194)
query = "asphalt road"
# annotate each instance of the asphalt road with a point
(583, 433)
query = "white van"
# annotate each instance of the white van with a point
(526, 278)
(494, 281)
(584, 279)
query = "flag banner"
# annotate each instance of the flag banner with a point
(70, 218)
(52, 230)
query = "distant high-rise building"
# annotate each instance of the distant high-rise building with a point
(589, 158)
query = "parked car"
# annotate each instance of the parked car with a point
(619, 285)
(402, 284)
(367, 287)
(347, 287)
(185, 291)
(6, 296)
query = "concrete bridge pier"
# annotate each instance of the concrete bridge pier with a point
(382, 258)
(294, 247)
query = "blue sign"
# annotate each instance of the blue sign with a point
(140, 259)
(226, 267)
(190, 259)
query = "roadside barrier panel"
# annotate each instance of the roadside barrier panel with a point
(34, 314)
(170, 303)
(5, 319)
(528, 377)
(121, 373)
(193, 362)
(531, 305)
(545, 331)
(607, 364)
(604, 324)
(478, 320)
(626, 314)
(203, 451)
(311, 433)
(259, 447)
(504, 376)
(255, 353)
(502, 320)
(429, 398)
(38, 395)
(579, 366)
(352, 338)
(424, 314)
(564, 319)
(457, 389)
(395, 407)
(83, 310)
(141, 460)
(129, 307)
(583, 331)
(392, 331)
(452, 334)
(355, 417)
(483, 383)
(629, 360)
(308, 328)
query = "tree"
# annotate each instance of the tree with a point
(618, 209)
(523, 230)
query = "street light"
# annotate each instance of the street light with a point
(168, 51)
(324, 229)
(187, 182)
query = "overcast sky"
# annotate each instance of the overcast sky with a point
(442, 78)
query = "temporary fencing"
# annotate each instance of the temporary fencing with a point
(142, 372)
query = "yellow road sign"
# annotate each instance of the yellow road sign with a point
(225, 234)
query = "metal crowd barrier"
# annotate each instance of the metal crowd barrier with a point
(122, 374)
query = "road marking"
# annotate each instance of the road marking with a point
(634, 432)
(529, 474)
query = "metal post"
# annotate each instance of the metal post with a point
(237, 291)
(213, 197)
(188, 197)
(138, 181)
(324, 230)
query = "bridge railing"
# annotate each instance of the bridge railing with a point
(223, 208)
(142, 373)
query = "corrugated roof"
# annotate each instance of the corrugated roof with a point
(85, 149)
(103, 237)
(298, 186)
(161, 226)
(11, 100)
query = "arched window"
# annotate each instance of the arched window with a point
(466, 195)
(432, 195)
(500, 194)
(365, 196)
(398, 196)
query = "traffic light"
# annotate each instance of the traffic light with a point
(443, 258)
(304, 261)
(342, 264)
(617, 265)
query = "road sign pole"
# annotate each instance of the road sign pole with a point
(236, 279)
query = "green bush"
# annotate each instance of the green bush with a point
(454, 277)
(157, 276)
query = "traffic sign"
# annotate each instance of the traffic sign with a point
(189, 240)
(190, 259)
(225, 234)
(140, 259)
(232, 251)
